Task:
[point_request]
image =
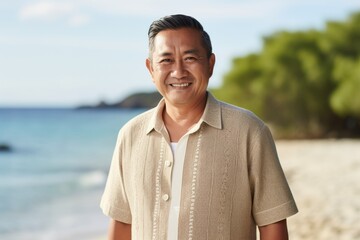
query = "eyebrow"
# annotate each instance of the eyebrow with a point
(190, 51)
(165, 54)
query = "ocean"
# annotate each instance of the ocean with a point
(52, 180)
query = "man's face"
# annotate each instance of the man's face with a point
(180, 67)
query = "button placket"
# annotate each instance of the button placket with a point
(165, 197)
(168, 163)
(167, 171)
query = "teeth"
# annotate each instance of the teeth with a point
(180, 84)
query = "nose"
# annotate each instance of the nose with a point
(179, 70)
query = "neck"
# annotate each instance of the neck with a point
(179, 119)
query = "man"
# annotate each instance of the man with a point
(193, 167)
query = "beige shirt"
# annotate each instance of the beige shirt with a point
(232, 179)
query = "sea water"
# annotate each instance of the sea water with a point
(52, 179)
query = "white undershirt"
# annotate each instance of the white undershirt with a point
(179, 150)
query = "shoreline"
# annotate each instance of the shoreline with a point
(323, 176)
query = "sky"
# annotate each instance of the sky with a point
(65, 53)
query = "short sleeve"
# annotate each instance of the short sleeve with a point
(114, 202)
(272, 198)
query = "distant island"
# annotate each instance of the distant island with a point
(133, 101)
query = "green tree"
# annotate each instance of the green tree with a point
(304, 83)
(241, 92)
(342, 43)
(345, 100)
(296, 80)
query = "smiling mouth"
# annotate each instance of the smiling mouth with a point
(180, 84)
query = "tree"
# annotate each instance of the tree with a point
(304, 83)
(345, 100)
(342, 43)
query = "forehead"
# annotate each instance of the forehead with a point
(173, 39)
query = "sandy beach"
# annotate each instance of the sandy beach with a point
(324, 176)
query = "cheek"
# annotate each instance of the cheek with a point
(158, 76)
(202, 73)
(160, 71)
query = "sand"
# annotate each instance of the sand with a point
(324, 176)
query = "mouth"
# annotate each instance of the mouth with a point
(180, 85)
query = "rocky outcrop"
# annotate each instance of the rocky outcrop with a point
(5, 147)
(137, 100)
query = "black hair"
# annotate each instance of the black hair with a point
(175, 22)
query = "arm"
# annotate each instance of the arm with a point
(119, 231)
(275, 231)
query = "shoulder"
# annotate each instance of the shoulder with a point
(141, 118)
(237, 116)
(138, 123)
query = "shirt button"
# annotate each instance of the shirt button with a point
(167, 163)
(165, 197)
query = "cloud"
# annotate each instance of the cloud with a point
(248, 9)
(78, 20)
(46, 10)
(79, 12)
(69, 10)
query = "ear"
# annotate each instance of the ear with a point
(149, 65)
(211, 64)
(150, 68)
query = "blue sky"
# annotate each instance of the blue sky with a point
(71, 52)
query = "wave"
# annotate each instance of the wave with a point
(88, 179)
(92, 179)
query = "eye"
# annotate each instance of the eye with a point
(190, 59)
(165, 61)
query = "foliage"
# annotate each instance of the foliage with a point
(305, 84)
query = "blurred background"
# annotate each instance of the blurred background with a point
(73, 72)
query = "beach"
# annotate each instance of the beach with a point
(52, 180)
(324, 177)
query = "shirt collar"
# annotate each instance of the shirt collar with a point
(211, 115)
(212, 112)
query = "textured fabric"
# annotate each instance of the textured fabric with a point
(232, 178)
